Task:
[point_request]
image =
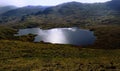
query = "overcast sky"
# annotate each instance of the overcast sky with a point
(20, 3)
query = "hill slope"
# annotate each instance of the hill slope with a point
(4, 9)
(70, 14)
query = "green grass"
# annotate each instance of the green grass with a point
(28, 56)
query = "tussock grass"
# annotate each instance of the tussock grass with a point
(28, 56)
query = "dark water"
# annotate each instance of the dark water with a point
(72, 36)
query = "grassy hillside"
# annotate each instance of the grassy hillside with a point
(28, 56)
(71, 13)
(107, 37)
(20, 54)
(4, 9)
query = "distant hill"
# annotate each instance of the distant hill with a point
(69, 14)
(114, 4)
(19, 12)
(4, 9)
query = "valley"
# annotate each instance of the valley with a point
(20, 53)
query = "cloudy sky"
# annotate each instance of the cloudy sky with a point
(20, 3)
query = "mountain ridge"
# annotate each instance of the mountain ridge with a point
(4, 9)
(71, 13)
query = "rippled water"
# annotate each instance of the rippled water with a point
(74, 36)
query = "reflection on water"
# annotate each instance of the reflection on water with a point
(72, 36)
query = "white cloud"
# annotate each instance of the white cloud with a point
(13, 2)
(43, 2)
